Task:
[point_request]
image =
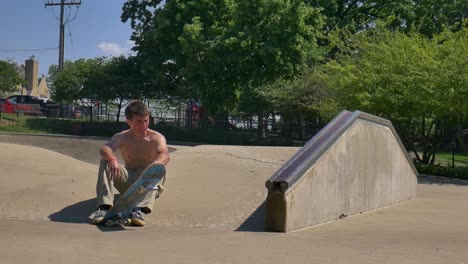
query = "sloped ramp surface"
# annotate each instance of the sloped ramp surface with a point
(206, 186)
(37, 183)
(355, 164)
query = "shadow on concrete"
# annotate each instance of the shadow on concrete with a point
(255, 222)
(76, 213)
(117, 228)
(440, 180)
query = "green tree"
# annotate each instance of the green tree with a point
(402, 77)
(428, 17)
(432, 17)
(9, 77)
(182, 49)
(452, 77)
(140, 13)
(211, 50)
(70, 85)
(356, 14)
(53, 72)
(117, 82)
(306, 99)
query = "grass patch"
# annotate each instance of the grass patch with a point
(443, 166)
(445, 158)
(17, 123)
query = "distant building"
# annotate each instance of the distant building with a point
(42, 90)
(35, 86)
(31, 68)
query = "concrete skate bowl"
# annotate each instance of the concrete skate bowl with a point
(38, 183)
(355, 164)
(81, 148)
(207, 186)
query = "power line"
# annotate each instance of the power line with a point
(69, 13)
(22, 50)
(71, 41)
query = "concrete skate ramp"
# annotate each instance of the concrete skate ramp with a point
(81, 148)
(206, 187)
(355, 164)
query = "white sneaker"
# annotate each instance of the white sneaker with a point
(98, 216)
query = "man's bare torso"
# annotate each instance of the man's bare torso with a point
(137, 153)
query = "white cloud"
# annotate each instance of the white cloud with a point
(115, 50)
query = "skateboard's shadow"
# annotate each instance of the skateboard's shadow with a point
(75, 213)
(113, 228)
(255, 222)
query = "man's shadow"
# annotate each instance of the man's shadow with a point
(78, 214)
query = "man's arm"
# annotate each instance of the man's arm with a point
(107, 153)
(163, 151)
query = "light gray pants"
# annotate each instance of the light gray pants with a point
(105, 192)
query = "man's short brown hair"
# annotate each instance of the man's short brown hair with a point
(136, 107)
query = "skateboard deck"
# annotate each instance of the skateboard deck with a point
(149, 180)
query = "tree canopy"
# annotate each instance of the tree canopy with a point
(9, 77)
(416, 82)
(212, 49)
(69, 85)
(427, 17)
(302, 59)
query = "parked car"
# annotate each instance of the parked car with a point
(48, 108)
(23, 99)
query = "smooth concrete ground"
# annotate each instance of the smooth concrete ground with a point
(212, 212)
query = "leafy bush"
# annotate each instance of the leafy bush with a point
(457, 172)
(195, 135)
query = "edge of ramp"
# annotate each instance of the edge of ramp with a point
(84, 148)
(81, 148)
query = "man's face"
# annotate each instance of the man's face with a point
(138, 124)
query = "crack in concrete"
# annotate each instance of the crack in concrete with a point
(261, 161)
(232, 155)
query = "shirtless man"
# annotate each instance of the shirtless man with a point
(140, 147)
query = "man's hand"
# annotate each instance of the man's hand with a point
(114, 169)
(158, 162)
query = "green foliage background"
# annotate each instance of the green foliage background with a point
(301, 60)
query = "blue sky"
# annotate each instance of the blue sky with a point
(26, 25)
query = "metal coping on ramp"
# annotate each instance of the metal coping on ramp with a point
(294, 169)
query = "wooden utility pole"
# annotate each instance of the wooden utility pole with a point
(62, 4)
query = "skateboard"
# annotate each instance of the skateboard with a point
(150, 179)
